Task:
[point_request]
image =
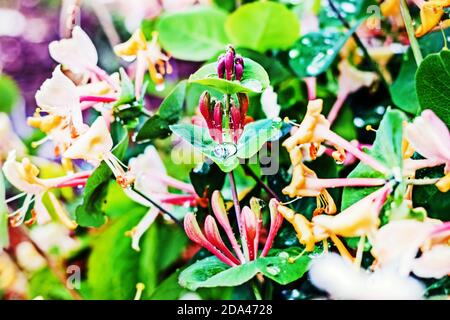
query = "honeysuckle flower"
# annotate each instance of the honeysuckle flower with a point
(340, 278)
(431, 13)
(360, 219)
(151, 179)
(316, 129)
(430, 137)
(51, 236)
(8, 139)
(24, 176)
(77, 53)
(148, 55)
(269, 103)
(307, 234)
(63, 122)
(350, 80)
(28, 257)
(397, 243)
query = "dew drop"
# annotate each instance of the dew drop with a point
(273, 270)
(225, 150)
(359, 122)
(283, 255)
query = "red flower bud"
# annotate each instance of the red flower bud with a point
(243, 104)
(221, 66)
(204, 106)
(217, 121)
(213, 235)
(238, 68)
(229, 63)
(235, 123)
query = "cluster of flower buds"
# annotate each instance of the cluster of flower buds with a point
(213, 112)
(251, 226)
(230, 64)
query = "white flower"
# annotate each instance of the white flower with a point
(94, 145)
(8, 139)
(342, 280)
(54, 235)
(77, 53)
(58, 96)
(28, 257)
(269, 103)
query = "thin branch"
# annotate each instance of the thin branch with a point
(178, 222)
(359, 42)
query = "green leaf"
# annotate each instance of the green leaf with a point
(113, 265)
(255, 135)
(169, 112)
(403, 90)
(126, 89)
(44, 283)
(350, 10)
(91, 212)
(314, 52)
(436, 203)
(262, 26)
(169, 289)
(387, 149)
(194, 35)
(211, 272)
(254, 79)
(276, 70)
(253, 138)
(9, 93)
(433, 84)
(4, 237)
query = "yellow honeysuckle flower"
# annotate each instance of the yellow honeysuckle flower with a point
(431, 13)
(444, 183)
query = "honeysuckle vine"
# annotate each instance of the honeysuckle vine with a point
(265, 147)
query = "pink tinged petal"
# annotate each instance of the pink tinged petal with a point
(213, 235)
(311, 83)
(256, 209)
(177, 184)
(194, 233)
(235, 123)
(217, 121)
(239, 68)
(250, 225)
(276, 219)
(42, 215)
(220, 213)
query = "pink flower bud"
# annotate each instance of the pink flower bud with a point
(221, 66)
(250, 225)
(220, 213)
(213, 235)
(194, 233)
(276, 219)
(238, 68)
(229, 63)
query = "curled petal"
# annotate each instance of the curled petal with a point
(213, 235)
(276, 219)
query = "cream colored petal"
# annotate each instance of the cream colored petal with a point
(54, 235)
(333, 274)
(77, 53)
(93, 145)
(58, 95)
(28, 257)
(142, 227)
(434, 263)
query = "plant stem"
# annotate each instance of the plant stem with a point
(237, 211)
(178, 222)
(256, 291)
(360, 44)
(52, 265)
(410, 31)
(248, 171)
